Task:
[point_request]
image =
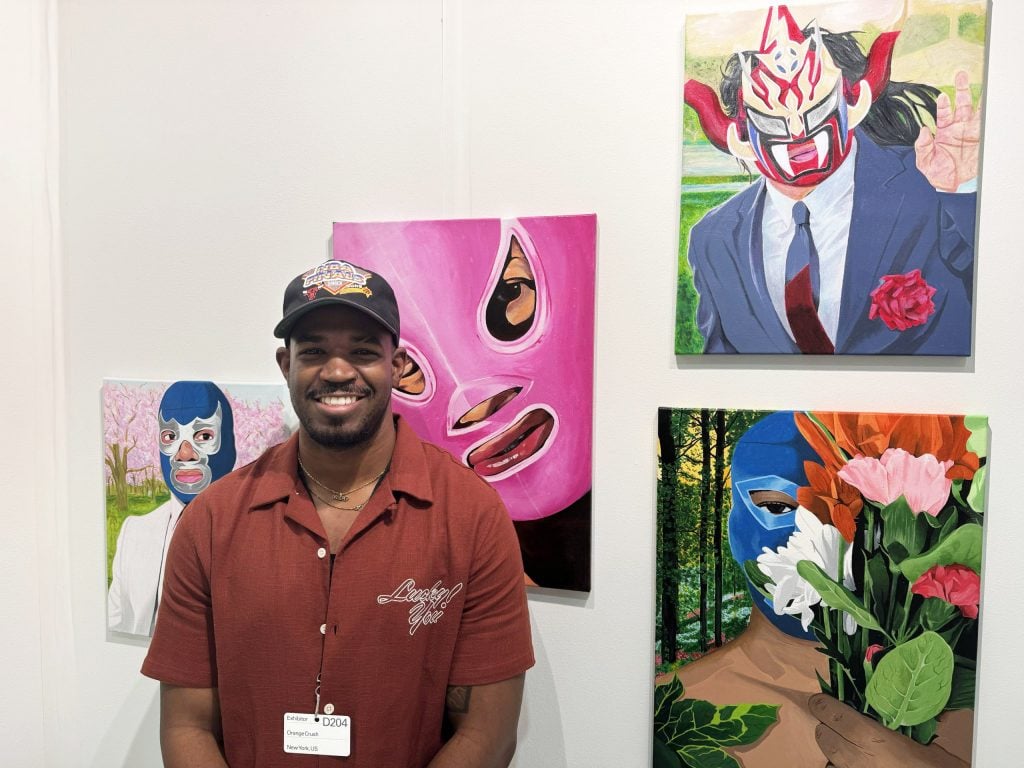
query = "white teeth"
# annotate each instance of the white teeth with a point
(781, 155)
(821, 144)
(338, 400)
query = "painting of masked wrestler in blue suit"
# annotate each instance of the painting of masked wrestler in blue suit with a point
(829, 193)
(189, 430)
(784, 617)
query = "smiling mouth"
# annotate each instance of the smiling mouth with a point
(513, 446)
(338, 399)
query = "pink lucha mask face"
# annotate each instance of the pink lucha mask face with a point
(497, 318)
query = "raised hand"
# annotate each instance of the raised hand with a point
(850, 740)
(949, 157)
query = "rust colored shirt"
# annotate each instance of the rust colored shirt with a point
(426, 591)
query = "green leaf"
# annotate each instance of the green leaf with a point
(962, 546)
(743, 723)
(925, 732)
(664, 696)
(903, 527)
(962, 696)
(978, 441)
(976, 496)
(664, 756)
(897, 554)
(936, 613)
(876, 580)
(912, 682)
(701, 756)
(835, 595)
(700, 729)
(757, 577)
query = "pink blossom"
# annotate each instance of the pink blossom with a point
(956, 584)
(921, 480)
(902, 301)
(872, 649)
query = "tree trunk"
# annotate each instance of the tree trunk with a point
(702, 531)
(117, 463)
(717, 535)
(670, 537)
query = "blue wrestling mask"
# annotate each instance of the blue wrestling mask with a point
(767, 469)
(197, 437)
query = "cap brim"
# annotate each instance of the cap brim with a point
(283, 329)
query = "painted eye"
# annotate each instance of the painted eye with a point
(483, 409)
(204, 436)
(820, 113)
(774, 502)
(167, 437)
(767, 125)
(513, 303)
(412, 382)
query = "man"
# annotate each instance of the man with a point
(851, 242)
(196, 440)
(354, 593)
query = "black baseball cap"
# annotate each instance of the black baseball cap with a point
(339, 282)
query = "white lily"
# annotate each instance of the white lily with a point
(821, 544)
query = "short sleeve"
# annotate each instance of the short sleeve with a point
(182, 651)
(494, 642)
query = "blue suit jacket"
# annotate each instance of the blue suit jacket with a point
(900, 223)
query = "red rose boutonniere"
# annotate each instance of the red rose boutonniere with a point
(902, 301)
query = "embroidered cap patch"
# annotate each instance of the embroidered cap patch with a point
(336, 277)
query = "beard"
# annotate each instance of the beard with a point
(342, 432)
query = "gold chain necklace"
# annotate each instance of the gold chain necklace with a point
(339, 495)
(356, 508)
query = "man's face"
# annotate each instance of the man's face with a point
(189, 447)
(340, 366)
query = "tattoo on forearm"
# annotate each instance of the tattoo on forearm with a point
(456, 701)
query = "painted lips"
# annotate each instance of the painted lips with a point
(512, 446)
(188, 476)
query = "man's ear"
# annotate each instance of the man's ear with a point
(398, 362)
(284, 361)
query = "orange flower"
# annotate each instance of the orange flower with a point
(830, 499)
(871, 434)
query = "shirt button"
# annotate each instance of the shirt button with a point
(323, 631)
(328, 709)
(321, 553)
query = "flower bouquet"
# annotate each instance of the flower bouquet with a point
(884, 565)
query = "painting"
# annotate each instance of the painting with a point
(163, 443)
(831, 156)
(497, 316)
(818, 588)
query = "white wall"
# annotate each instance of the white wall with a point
(206, 146)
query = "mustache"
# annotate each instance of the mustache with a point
(313, 394)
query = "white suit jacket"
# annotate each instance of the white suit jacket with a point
(138, 568)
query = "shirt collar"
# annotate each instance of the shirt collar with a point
(278, 471)
(820, 199)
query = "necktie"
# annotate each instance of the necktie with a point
(802, 286)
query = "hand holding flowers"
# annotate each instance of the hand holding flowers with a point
(884, 565)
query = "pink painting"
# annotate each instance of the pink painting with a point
(498, 318)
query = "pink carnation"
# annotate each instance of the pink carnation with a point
(921, 480)
(956, 584)
(872, 649)
(902, 301)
